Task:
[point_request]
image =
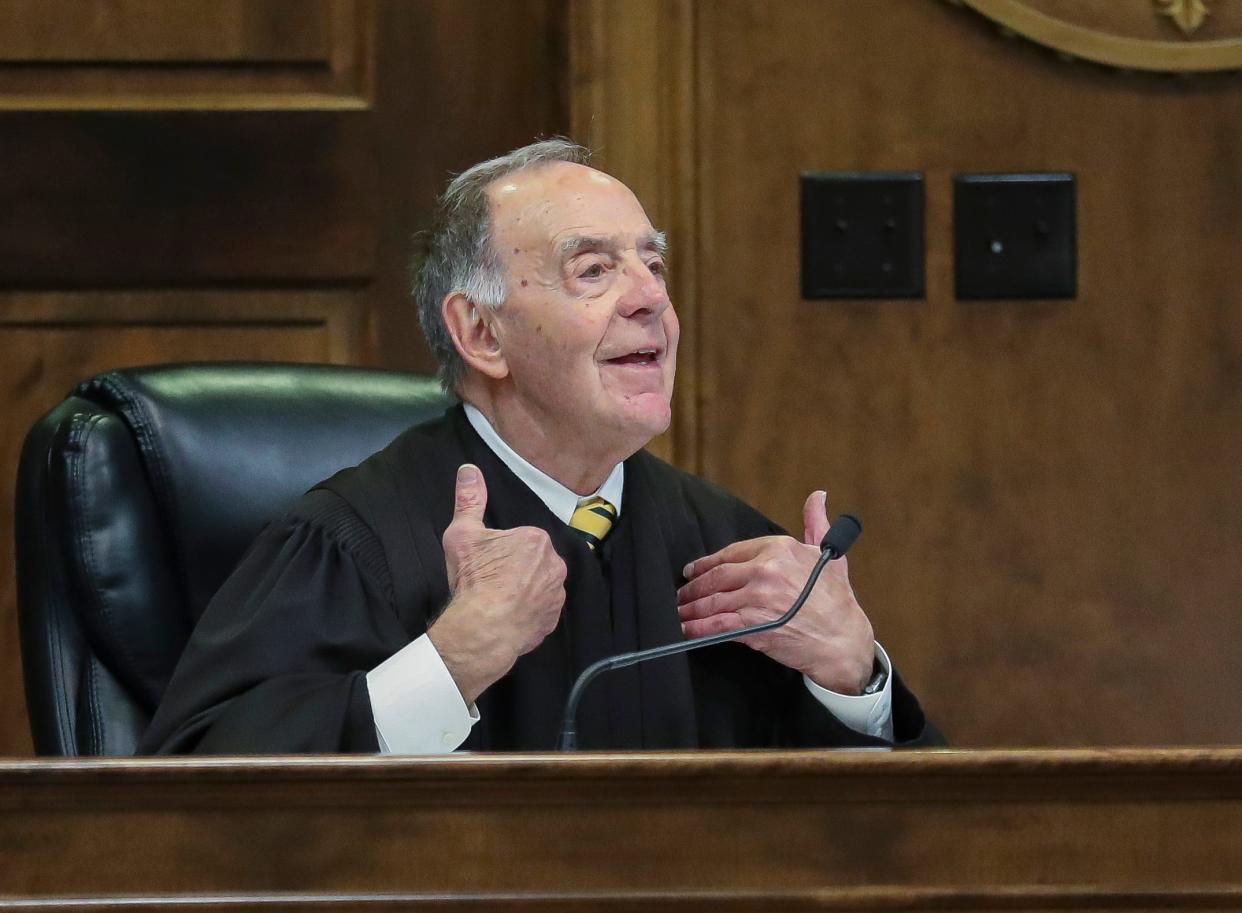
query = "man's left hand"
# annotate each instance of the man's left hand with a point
(830, 640)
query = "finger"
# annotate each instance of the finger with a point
(739, 602)
(716, 624)
(815, 518)
(730, 554)
(471, 495)
(715, 604)
(719, 579)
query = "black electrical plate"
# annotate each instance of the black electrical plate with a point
(1015, 236)
(862, 234)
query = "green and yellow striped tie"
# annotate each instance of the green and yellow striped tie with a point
(593, 519)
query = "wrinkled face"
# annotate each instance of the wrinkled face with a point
(587, 330)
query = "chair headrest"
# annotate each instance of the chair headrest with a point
(228, 447)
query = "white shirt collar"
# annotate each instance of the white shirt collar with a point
(560, 500)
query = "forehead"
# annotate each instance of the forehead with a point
(542, 206)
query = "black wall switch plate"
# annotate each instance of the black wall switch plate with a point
(1015, 236)
(862, 234)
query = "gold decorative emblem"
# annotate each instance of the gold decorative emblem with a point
(1188, 14)
(1128, 35)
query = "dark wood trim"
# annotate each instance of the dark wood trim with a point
(338, 310)
(339, 77)
(948, 830)
(862, 901)
(839, 778)
(633, 99)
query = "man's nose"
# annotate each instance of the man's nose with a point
(646, 292)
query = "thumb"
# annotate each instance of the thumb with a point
(815, 518)
(471, 495)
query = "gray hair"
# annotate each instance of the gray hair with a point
(457, 253)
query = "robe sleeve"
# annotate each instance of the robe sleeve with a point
(278, 662)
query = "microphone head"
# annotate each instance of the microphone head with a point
(845, 529)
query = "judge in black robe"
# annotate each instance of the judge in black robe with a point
(542, 292)
(355, 571)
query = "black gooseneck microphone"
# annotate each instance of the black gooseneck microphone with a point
(837, 541)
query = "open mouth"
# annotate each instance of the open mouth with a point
(640, 357)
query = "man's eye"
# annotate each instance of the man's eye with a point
(594, 271)
(657, 267)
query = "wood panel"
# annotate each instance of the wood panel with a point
(1050, 488)
(688, 831)
(633, 101)
(191, 54)
(460, 82)
(112, 199)
(153, 31)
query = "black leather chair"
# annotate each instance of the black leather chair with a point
(138, 494)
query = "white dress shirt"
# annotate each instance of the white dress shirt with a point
(416, 704)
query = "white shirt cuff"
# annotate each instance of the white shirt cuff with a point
(870, 714)
(416, 704)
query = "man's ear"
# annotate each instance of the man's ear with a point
(473, 336)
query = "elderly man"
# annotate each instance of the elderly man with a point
(445, 593)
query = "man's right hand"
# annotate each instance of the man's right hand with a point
(508, 588)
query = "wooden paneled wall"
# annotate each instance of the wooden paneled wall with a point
(1051, 491)
(1050, 488)
(212, 179)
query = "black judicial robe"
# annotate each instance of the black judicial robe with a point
(355, 571)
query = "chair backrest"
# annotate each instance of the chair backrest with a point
(136, 497)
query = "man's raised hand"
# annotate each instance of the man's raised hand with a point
(508, 588)
(757, 580)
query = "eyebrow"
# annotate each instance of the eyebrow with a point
(576, 244)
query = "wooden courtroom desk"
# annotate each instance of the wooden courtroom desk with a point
(772, 831)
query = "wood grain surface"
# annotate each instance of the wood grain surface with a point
(632, 101)
(152, 31)
(1050, 489)
(789, 830)
(141, 199)
(194, 54)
